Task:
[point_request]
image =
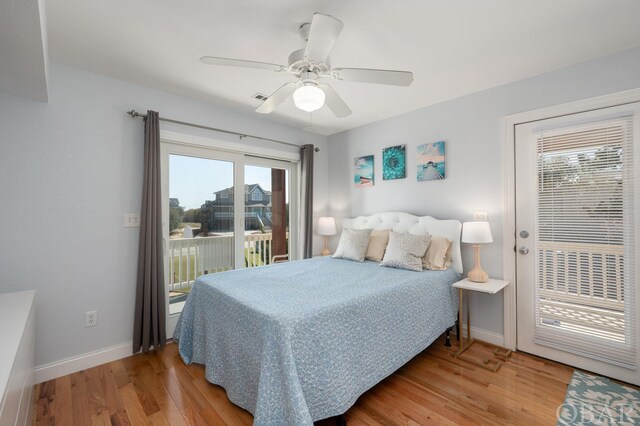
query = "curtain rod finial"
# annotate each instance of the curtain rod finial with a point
(132, 113)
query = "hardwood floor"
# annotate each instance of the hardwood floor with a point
(433, 388)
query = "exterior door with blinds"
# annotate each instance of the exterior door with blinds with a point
(577, 228)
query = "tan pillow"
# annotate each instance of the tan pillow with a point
(438, 255)
(377, 245)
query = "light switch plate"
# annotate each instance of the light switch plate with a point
(131, 220)
(480, 216)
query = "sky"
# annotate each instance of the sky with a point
(431, 152)
(364, 165)
(193, 180)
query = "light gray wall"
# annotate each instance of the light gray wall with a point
(69, 169)
(471, 127)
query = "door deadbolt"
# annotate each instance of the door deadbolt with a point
(524, 234)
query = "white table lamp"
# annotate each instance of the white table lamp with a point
(326, 227)
(477, 233)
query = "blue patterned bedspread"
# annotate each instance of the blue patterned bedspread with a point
(301, 341)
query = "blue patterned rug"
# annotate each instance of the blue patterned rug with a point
(596, 400)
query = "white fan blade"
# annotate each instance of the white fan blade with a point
(323, 34)
(228, 62)
(277, 98)
(334, 101)
(364, 75)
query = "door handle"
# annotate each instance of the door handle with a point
(523, 250)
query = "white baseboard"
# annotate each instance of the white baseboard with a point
(485, 335)
(82, 362)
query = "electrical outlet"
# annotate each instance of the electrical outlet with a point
(91, 318)
(480, 216)
(131, 220)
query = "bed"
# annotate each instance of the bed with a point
(298, 342)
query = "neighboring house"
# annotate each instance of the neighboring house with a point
(257, 214)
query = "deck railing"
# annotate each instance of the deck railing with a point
(191, 257)
(581, 286)
(568, 270)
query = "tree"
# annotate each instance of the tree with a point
(558, 172)
(583, 187)
(193, 216)
(206, 215)
(176, 212)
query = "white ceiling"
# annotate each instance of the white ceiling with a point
(23, 49)
(453, 47)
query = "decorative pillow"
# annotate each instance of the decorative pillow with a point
(405, 251)
(377, 245)
(428, 237)
(438, 256)
(353, 244)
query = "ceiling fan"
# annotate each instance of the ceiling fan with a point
(309, 65)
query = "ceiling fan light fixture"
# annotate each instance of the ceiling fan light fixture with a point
(310, 63)
(309, 97)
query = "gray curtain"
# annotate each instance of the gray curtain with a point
(150, 317)
(306, 200)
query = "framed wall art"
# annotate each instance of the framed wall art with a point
(430, 161)
(363, 171)
(394, 163)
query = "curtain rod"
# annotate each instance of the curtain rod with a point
(133, 113)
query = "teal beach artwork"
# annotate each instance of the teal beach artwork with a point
(363, 171)
(431, 161)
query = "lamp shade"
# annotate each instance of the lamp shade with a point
(326, 226)
(308, 97)
(476, 233)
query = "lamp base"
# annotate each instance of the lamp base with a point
(325, 250)
(478, 276)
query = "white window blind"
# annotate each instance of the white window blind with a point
(584, 247)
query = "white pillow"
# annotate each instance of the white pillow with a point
(405, 251)
(353, 244)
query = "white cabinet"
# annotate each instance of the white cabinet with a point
(17, 334)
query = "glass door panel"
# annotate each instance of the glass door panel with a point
(266, 215)
(201, 222)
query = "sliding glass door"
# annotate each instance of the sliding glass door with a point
(268, 204)
(210, 226)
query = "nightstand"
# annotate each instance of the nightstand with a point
(491, 287)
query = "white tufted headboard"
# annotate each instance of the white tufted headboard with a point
(405, 222)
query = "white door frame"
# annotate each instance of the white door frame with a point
(220, 145)
(508, 177)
